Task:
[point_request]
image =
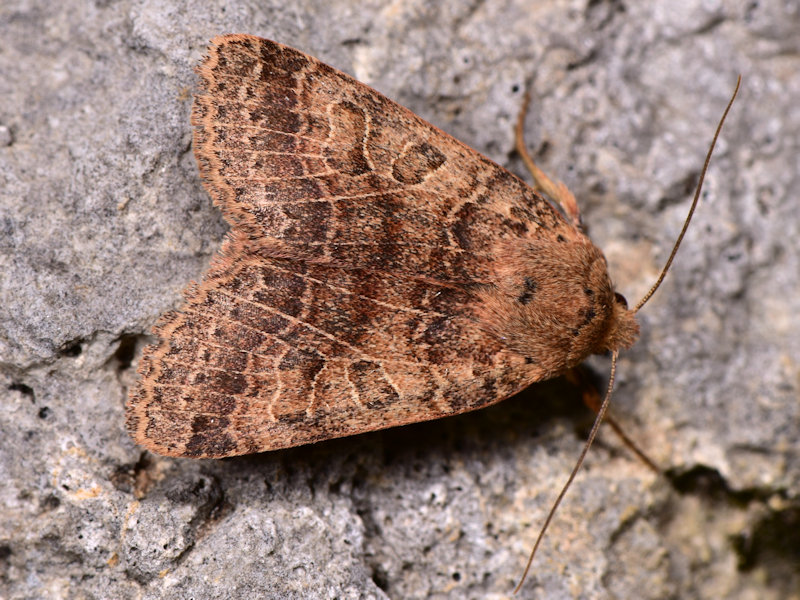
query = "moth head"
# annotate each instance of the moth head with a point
(623, 327)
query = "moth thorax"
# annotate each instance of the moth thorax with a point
(553, 303)
(614, 326)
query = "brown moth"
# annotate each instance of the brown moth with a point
(378, 272)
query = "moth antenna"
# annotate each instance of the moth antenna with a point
(694, 202)
(598, 420)
(607, 399)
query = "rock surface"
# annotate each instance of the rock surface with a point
(103, 221)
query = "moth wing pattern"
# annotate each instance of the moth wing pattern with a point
(343, 299)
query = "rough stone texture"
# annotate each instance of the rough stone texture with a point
(103, 221)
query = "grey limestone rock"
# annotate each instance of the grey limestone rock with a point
(103, 221)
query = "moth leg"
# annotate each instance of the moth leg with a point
(592, 399)
(555, 190)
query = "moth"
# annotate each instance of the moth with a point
(378, 272)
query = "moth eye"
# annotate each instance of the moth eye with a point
(620, 299)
